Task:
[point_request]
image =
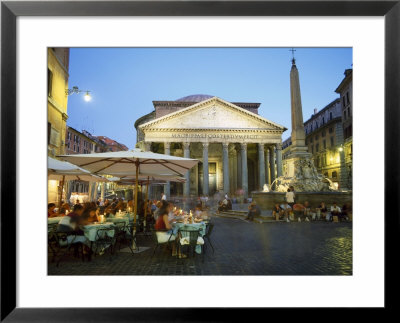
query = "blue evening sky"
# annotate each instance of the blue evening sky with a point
(124, 82)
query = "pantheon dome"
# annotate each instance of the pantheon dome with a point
(195, 98)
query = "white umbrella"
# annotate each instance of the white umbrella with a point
(132, 162)
(63, 171)
(124, 179)
(125, 162)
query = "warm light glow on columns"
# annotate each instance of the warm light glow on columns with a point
(167, 186)
(261, 166)
(225, 147)
(205, 168)
(245, 184)
(186, 154)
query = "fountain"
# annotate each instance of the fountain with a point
(300, 173)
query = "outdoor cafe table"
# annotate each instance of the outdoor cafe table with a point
(90, 230)
(54, 220)
(201, 226)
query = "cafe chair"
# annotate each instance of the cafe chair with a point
(52, 240)
(206, 237)
(105, 239)
(127, 237)
(160, 238)
(190, 238)
(64, 241)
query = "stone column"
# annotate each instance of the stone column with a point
(239, 168)
(225, 166)
(267, 165)
(245, 184)
(279, 160)
(95, 191)
(147, 146)
(186, 154)
(102, 191)
(167, 186)
(261, 166)
(233, 169)
(205, 168)
(272, 163)
(90, 195)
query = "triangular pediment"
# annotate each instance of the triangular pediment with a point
(213, 113)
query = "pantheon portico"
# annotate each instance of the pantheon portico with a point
(237, 148)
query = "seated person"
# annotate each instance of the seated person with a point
(229, 205)
(287, 211)
(224, 205)
(50, 210)
(157, 211)
(71, 221)
(346, 211)
(89, 216)
(163, 226)
(307, 210)
(65, 209)
(277, 212)
(322, 210)
(198, 211)
(335, 211)
(171, 213)
(298, 210)
(77, 202)
(254, 210)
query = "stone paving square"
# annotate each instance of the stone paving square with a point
(241, 248)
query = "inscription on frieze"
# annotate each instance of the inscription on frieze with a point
(214, 135)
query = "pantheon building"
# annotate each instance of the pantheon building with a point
(238, 149)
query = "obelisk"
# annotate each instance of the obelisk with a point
(298, 133)
(300, 172)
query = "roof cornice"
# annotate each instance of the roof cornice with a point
(206, 102)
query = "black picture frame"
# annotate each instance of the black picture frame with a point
(10, 10)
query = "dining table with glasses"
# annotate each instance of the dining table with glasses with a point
(54, 220)
(200, 226)
(90, 230)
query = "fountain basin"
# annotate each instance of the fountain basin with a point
(267, 200)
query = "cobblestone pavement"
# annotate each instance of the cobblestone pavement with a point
(241, 248)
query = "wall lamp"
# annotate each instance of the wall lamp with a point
(76, 90)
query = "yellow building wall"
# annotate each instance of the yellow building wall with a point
(57, 103)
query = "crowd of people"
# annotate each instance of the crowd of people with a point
(290, 210)
(305, 212)
(90, 212)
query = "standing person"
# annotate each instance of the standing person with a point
(163, 197)
(290, 197)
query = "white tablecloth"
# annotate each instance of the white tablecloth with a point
(54, 220)
(90, 230)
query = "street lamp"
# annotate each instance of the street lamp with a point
(76, 90)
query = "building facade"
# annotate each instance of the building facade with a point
(239, 151)
(77, 142)
(57, 99)
(112, 145)
(57, 84)
(324, 136)
(84, 142)
(345, 89)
